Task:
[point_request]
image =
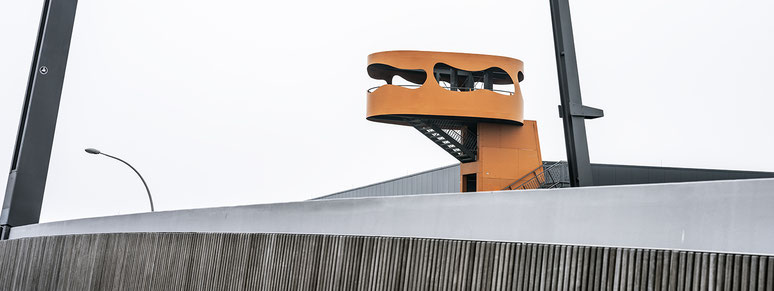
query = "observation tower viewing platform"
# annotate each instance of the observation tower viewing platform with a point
(461, 87)
(452, 100)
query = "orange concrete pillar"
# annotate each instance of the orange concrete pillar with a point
(506, 153)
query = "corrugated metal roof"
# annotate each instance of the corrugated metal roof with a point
(439, 180)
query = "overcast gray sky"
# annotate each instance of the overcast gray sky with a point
(243, 102)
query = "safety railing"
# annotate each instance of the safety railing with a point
(541, 178)
(461, 89)
(461, 134)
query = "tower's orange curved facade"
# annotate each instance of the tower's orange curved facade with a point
(387, 102)
(452, 99)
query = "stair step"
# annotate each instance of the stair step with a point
(441, 138)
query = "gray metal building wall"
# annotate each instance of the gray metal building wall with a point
(605, 174)
(441, 180)
(447, 179)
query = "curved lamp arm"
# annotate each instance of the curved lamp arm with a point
(97, 152)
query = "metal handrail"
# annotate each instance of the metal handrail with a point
(451, 130)
(522, 178)
(372, 89)
(536, 182)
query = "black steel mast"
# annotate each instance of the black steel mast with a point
(571, 109)
(29, 167)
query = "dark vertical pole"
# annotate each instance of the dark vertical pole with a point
(29, 167)
(469, 82)
(572, 110)
(488, 83)
(453, 79)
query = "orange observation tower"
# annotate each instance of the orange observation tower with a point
(468, 104)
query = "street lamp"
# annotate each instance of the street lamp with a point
(97, 152)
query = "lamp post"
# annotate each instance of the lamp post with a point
(97, 152)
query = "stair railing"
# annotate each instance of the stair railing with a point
(542, 177)
(461, 134)
(504, 92)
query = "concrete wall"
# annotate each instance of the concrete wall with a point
(687, 236)
(721, 216)
(198, 261)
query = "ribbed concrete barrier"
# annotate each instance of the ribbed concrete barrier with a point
(202, 261)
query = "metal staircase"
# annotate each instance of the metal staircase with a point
(543, 177)
(457, 139)
(454, 138)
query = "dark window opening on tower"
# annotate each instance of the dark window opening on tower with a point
(454, 79)
(407, 78)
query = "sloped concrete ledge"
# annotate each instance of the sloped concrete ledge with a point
(721, 216)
